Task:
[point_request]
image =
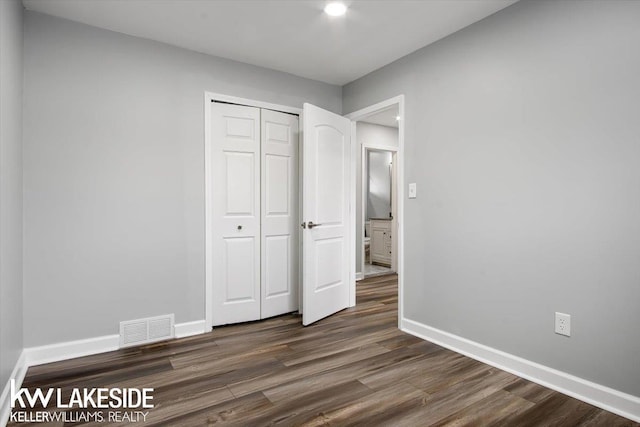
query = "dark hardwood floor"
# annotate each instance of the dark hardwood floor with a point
(353, 368)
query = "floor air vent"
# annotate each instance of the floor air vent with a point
(143, 331)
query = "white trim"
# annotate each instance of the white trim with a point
(611, 400)
(71, 349)
(400, 222)
(188, 329)
(364, 168)
(359, 276)
(399, 150)
(208, 219)
(18, 373)
(86, 347)
(358, 114)
(300, 212)
(40, 355)
(352, 217)
(209, 97)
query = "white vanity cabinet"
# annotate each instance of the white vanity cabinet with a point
(381, 243)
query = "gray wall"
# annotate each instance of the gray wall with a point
(114, 174)
(11, 342)
(523, 136)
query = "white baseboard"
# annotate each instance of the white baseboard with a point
(188, 329)
(71, 349)
(86, 347)
(359, 276)
(18, 373)
(34, 356)
(611, 400)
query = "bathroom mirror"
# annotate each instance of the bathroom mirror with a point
(379, 184)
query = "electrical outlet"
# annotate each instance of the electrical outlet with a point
(563, 324)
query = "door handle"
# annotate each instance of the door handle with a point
(311, 224)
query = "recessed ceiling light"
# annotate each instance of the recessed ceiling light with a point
(335, 9)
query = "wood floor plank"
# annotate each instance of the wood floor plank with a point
(531, 391)
(355, 368)
(169, 409)
(229, 413)
(491, 410)
(315, 403)
(603, 418)
(556, 410)
(471, 390)
(369, 410)
(298, 376)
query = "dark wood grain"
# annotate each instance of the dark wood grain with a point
(352, 369)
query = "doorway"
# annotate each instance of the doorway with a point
(379, 210)
(380, 128)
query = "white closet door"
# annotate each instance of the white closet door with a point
(235, 163)
(279, 213)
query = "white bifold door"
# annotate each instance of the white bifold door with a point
(279, 201)
(254, 212)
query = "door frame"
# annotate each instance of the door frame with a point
(210, 97)
(399, 174)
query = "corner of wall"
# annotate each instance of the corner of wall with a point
(12, 364)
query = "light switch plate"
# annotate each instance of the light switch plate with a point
(412, 190)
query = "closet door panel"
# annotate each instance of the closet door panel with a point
(236, 240)
(277, 254)
(279, 161)
(239, 269)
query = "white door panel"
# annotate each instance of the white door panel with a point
(239, 179)
(235, 150)
(280, 259)
(239, 269)
(277, 280)
(330, 173)
(326, 180)
(277, 186)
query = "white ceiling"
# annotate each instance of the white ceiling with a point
(386, 117)
(293, 36)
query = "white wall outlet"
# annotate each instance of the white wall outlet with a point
(563, 324)
(412, 190)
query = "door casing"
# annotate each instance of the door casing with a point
(399, 175)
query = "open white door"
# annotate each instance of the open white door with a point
(326, 227)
